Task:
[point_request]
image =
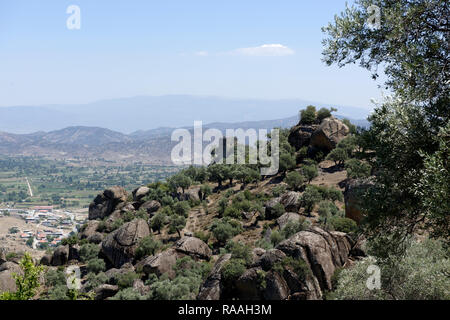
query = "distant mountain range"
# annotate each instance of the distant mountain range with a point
(149, 146)
(155, 114)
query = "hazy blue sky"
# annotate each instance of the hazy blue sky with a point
(229, 48)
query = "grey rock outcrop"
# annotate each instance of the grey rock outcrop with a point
(119, 247)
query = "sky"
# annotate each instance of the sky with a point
(234, 48)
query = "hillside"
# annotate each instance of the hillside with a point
(91, 143)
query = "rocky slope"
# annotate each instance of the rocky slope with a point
(121, 231)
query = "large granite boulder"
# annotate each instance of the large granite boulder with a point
(291, 201)
(106, 202)
(212, 288)
(330, 132)
(7, 282)
(119, 247)
(287, 217)
(323, 251)
(159, 264)
(89, 229)
(140, 193)
(269, 207)
(300, 135)
(193, 247)
(60, 256)
(2, 255)
(151, 206)
(105, 291)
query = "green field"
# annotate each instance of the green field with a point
(69, 184)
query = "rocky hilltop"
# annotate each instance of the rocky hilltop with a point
(198, 237)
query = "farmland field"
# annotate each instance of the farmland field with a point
(69, 183)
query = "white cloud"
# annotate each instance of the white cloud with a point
(266, 50)
(202, 53)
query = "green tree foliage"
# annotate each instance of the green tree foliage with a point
(324, 113)
(310, 198)
(225, 229)
(158, 221)
(89, 251)
(147, 246)
(205, 191)
(126, 280)
(179, 180)
(295, 180)
(412, 43)
(217, 173)
(181, 208)
(308, 115)
(357, 169)
(338, 155)
(176, 224)
(96, 265)
(310, 172)
(420, 274)
(28, 283)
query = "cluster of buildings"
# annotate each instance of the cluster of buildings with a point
(48, 227)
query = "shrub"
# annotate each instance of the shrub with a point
(158, 221)
(421, 273)
(322, 114)
(95, 280)
(239, 251)
(287, 162)
(338, 155)
(89, 251)
(54, 277)
(308, 115)
(96, 265)
(232, 212)
(205, 191)
(126, 280)
(309, 198)
(278, 210)
(343, 224)
(276, 238)
(204, 236)
(182, 208)
(128, 294)
(293, 227)
(147, 247)
(28, 283)
(295, 180)
(299, 266)
(310, 172)
(232, 270)
(278, 190)
(357, 169)
(225, 229)
(177, 223)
